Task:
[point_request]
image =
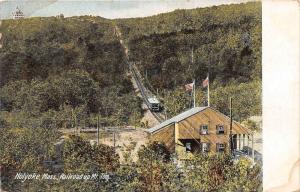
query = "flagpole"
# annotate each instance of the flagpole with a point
(208, 104)
(194, 92)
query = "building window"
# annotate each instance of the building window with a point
(220, 129)
(205, 147)
(188, 147)
(204, 129)
(220, 147)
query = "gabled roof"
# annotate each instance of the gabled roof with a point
(153, 100)
(177, 118)
(187, 114)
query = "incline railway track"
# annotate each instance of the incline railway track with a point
(146, 94)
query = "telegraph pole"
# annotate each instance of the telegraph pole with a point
(193, 55)
(114, 135)
(98, 134)
(252, 146)
(208, 103)
(73, 121)
(165, 114)
(194, 92)
(76, 126)
(230, 134)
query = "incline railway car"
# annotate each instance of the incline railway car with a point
(154, 104)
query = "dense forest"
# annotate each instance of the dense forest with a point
(172, 49)
(225, 41)
(153, 172)
(54, 65)
(64, 72)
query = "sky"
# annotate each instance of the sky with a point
(105, 8)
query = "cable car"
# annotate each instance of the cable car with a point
(154, 104)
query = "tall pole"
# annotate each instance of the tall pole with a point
(194, 92)
(191, 102)
(208, 103)
(192, 60)
(252, 138)
(114, 135)
(165, 114)
(230, 134)
(98, 134)
(193, 55)
(73, 121)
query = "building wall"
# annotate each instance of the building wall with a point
(189, 128)
(166, 136)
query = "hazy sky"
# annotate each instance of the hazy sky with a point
(104, 8)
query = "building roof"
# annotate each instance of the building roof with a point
(185, 115)
(177, 118)
(153, 100)
(18, 12)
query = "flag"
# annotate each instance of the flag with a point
(189, 87)
(205, 82)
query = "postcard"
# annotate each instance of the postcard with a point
(149, 96)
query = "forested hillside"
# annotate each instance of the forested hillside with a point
(74, 68)
(171, 49)
(58, 71)
(226, 41)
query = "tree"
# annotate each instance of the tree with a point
(150, 167)
(246, 99)
(220, 173)
(80, 152)
(24, 150)
(244, 176)
(176, 101)
(252, 125)
(80, 156)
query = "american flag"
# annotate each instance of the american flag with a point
(205, 82)
(189, 87)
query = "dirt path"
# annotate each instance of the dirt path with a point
(127, 142)
(119, 35)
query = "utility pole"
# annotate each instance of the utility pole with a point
(114, 135)
(208, 102)
(76, 126)
(252, 138)
(193, 55)
(72, 120)
(165, 114)
(230, 134)
(98, 134)
(194, 92)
